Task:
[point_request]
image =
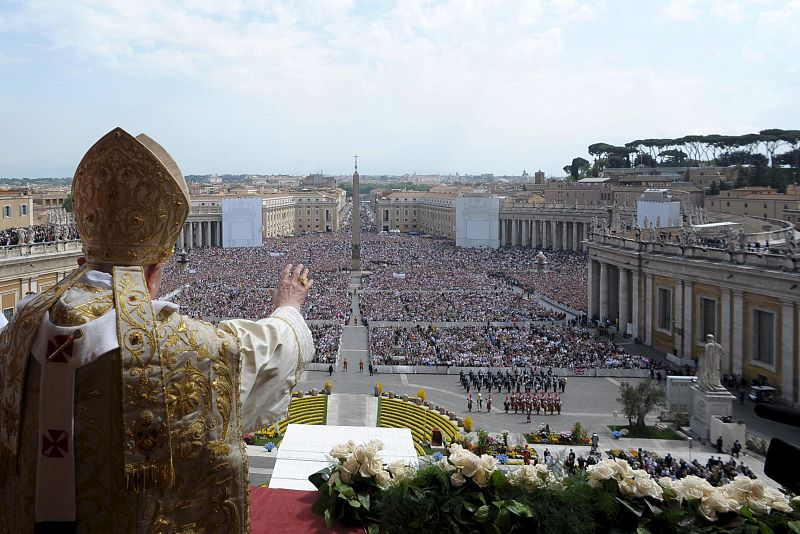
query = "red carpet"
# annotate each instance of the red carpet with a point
(275, 511)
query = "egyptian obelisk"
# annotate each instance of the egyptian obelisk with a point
(356, 221)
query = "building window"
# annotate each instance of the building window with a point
(763, 337)
(6, 211)
(23, 210)
(708, 318)
(665, 309)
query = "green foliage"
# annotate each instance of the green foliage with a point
(67, 205)
(428, 502)
(648, 432)
(639, 400)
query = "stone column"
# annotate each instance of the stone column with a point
(677, 319)
(219, 234)
(179, 242)
(190, 235)
(787, 352)
(603, 290)
(737, 332)
(636, 304)
(575, 239)
(648, 310)
(553, 237)
(688, 314)
(624, 308)
(534, 233)
(594, 289)
(525, 233)
(725, 331)
(514, 232)
(564, 236)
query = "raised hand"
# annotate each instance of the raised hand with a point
(292, 288)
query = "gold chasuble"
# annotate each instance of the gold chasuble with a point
(173, 461)
(117, 413)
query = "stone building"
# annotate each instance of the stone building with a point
(416, 211)
(283, 213)
(758, 202)
(670, 296)
(17, 209)
(34, 268)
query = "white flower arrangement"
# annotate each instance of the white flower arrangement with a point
(531, 477)
(463, 464)
(363, 463)
(359, 463)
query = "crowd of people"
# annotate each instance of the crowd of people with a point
(217, 283)
(326, 341)
(451, 306)
(412, 279)
(551, 345)
(716, 470)
(38, 234)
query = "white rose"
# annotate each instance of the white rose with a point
(598, 472)
(622, 469)
(488, 463)
(693, 487)
(374, 446)
(350, 466)
(647, 487)
(708, 512)
(668, 483)
(781, 505)
(382, 478)
(740, 488)
(455, 448)
(470, 465)
(719, 502)
(394, 467)
(351, 445)
(481, 478)
(757, 504)
(446, 466)
(370, 468)
(777, 500)
(340, 451)
(360, 453)
(627, 487)
(457, 479)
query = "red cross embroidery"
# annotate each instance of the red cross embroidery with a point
(54, 344)
(55, 444)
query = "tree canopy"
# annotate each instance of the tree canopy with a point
(770, 148)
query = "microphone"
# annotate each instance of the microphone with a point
(779, 414)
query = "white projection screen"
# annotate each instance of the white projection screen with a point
(478, 229)
(241, 222)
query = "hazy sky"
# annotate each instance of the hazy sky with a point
(468, 86)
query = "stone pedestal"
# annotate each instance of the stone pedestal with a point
(707, 403)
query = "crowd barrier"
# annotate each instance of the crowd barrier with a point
(445, 370)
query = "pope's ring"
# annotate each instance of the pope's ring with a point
(303, 280)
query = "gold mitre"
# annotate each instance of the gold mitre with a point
(130, 201)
